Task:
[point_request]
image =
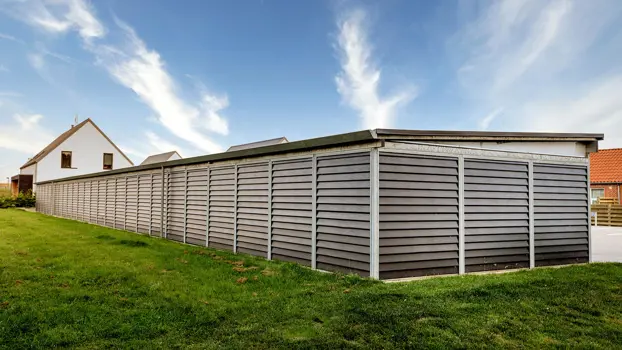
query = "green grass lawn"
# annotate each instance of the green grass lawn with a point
(70, 284)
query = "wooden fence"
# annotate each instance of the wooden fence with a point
(607, 214)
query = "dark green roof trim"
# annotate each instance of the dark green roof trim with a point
(486, 135)
(358, 137)
(296, 146)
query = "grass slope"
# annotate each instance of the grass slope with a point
(64, 283)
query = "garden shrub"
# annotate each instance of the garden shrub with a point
(6, 202)
(22, 200)
(25, 199)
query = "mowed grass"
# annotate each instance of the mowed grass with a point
(69, 284)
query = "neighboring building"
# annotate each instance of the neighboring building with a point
(257, 144)
(162, 157)
(606, 174)
(82, 149)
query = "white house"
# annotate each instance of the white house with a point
(162, 157)
(82, 149)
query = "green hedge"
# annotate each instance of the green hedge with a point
(22, 200)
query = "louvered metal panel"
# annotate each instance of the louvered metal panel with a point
(252, 209)
(66, 193)
(84, 201)
(292, 210)
(418, 215)
(111, 202)
(343, 234)
(496, 215)
(561, 214)
(120, 201)
(74, 200)
(41, 198)
(144, 203)
(157, 205)
(176, 193)
(131, 203)
(57, 199)
(94, 199)
(221, 207)
(67, 201)
(196, 206)
(101, 203)
(71, 214)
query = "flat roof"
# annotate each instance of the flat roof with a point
(357, 137)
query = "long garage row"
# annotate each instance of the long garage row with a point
(429, 214)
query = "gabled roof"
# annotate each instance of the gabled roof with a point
(64, 136)
(606, 166)
(157, 158)
(263, 143)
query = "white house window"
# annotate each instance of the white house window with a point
(107, 161)
(65, 159)
(597, 193)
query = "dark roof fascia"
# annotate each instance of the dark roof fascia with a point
(364, 136)
(55, 143)
(485, 135)
(357, 137)
(64, 137)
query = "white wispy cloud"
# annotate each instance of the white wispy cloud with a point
(508, 40)
(59, 16)
(4, 68)
(143, 71)
(358, 82)
(25, 134)
(595, 107)
(37, 61)
(132, 64)
(537, 59)
(484, 123)
(11, 38)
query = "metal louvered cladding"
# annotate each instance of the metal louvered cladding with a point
(69, 199)
(418, 215)
(144, 203)
(221, 207)
(561, 214)
(111, 202)
(157, 205)
(496, 215)
(86, 201)
(92, 200)
(343, 232)
(101, 202)
(58, 199)
(292, 198)
(75, 197)
(252, 209)
(175, 204)
(131, 203)
(78, 201)
(196, 206)
(119, 217)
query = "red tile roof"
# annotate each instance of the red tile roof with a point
(606, 166)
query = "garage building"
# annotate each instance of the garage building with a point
(381, 203)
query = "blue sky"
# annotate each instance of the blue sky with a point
(199, 76)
